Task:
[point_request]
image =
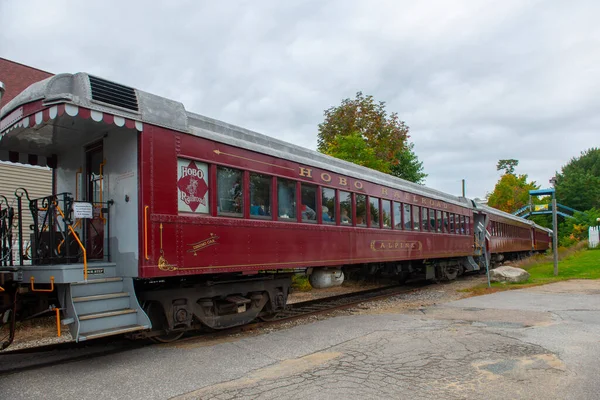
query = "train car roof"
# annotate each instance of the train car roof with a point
(156, 110)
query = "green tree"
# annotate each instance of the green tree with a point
(578, 183)
(409, 167)
(511, 193)
(507, 165)
(574, 230)
(361, 131)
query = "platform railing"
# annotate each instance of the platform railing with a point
(55, 236)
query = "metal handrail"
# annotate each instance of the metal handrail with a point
(146, 232)
(33, 289)
(78, 242)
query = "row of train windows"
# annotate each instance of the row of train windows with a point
(354, 209)
(505, 230)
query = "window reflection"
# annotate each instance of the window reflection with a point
(260, 196)
(286, 198)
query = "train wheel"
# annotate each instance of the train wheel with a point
(167, 337)
(268, 317)
(159, 322)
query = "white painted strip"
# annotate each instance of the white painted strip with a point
(53, 112)
(71, 110)
(119, 121)
(139, 126)
(96, 115)
(38, 118)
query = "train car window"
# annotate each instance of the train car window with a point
(328, 205)
(424, 219)
(386, 214)
(446, 223)
(457, 224)
(440, 221)
(451, 223)
(374, 211)
(416, 213)
(468, 225)
(345, 208)
(407, 217)
(463, 230)
(260, 196)
(361, 209)
(230, 201)
(398, 215)
(432, 220)
(286, 199)
(308, 195)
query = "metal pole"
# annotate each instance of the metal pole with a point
(555, 235)
(463, 188)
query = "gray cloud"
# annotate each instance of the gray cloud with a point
(475, 81)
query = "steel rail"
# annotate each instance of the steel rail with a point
(54, 354)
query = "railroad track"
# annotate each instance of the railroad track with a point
(55, 354)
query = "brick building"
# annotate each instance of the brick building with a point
(37, 180)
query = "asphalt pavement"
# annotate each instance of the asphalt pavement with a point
(536, 343)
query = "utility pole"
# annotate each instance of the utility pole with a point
(463, 188)
(547, 192)
(554, 226)
(555, 235)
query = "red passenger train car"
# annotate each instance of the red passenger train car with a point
(164, 220)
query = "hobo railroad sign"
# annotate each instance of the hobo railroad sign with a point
(192, 186)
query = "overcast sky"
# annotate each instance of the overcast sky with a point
(476, 81)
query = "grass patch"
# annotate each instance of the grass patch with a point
(577, 263)
(300, 283)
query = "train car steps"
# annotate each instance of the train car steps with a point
(102, 307)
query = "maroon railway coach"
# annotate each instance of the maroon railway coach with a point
(163, 220)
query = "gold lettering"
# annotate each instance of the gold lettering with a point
(326, 177)
(415, 199)
(307, 172)
(358, 185)
(396, 245)
(423, 201)
(431, 202)
(445, 205)
(343, 181)
(384, 191)
(397, 194)
(382, 246)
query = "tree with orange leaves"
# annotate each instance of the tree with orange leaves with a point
(361, 131)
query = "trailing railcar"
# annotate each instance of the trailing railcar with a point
(163, 220)
(513, 238)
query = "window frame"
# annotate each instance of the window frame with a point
(218, 198)
(300, 219)
(373, 224)
(261, 217)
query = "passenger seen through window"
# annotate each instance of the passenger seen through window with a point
(386, 214)
(328, 205)
(309, 202)
(286, 198)
(229, 189)
(345, 208)
(361, 209)
(416, 218)
(260, 196)
(432, 220)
